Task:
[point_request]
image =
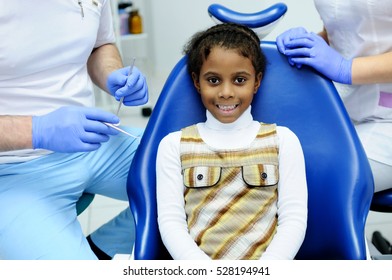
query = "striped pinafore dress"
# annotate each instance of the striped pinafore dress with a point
(231, 195)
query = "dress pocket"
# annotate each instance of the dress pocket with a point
(201, 176)
(260, 175)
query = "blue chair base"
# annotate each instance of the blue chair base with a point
(382, 201)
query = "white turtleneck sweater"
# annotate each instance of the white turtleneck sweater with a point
(292, 187)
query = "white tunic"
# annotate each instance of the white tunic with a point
(41, 73)
(363, 28)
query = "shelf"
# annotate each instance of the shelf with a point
(140, 36)
(134, 45)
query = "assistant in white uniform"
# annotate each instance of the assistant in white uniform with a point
(359, 32)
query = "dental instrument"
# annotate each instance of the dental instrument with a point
(119, 129)
(122, 98)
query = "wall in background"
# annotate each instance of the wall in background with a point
(172, 22)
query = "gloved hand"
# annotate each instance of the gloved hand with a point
(312, 50)
(73, 129)
(283, 39)
(133, 88)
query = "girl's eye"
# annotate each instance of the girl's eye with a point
(240, 80)
(213, 80)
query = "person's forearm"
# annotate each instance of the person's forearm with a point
(16, 133)
(102, 62)
(372, 69)
(324, 35)
(369, 69)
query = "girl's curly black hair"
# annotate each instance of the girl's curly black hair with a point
(227, 35)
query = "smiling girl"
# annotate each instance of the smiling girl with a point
(230, 187)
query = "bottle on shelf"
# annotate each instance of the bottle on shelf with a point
(124, 9)
(135, 22)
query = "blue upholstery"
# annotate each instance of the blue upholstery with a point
(262, 22)
(382, 201)
(339, 178)
(252, 20)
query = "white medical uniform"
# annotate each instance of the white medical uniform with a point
(363, 28)
(44, 48)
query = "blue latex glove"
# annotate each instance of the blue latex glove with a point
(312, 50)
(286, 37)
(133, 88)
(73, 129)
(283, 39)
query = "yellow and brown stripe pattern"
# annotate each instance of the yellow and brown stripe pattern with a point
(231, 195)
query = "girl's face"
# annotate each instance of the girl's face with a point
(227, 83)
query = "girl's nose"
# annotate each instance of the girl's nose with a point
(226, 91)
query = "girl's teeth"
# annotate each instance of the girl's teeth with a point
(226, 107)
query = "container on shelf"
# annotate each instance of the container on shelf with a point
(124, 9)
(135, 22)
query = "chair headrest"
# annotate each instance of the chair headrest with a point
(261, 22)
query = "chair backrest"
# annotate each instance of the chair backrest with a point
(339, 179)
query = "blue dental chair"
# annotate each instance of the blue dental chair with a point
(340, 182)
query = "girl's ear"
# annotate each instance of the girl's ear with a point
(196, 82)
(258, 82)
